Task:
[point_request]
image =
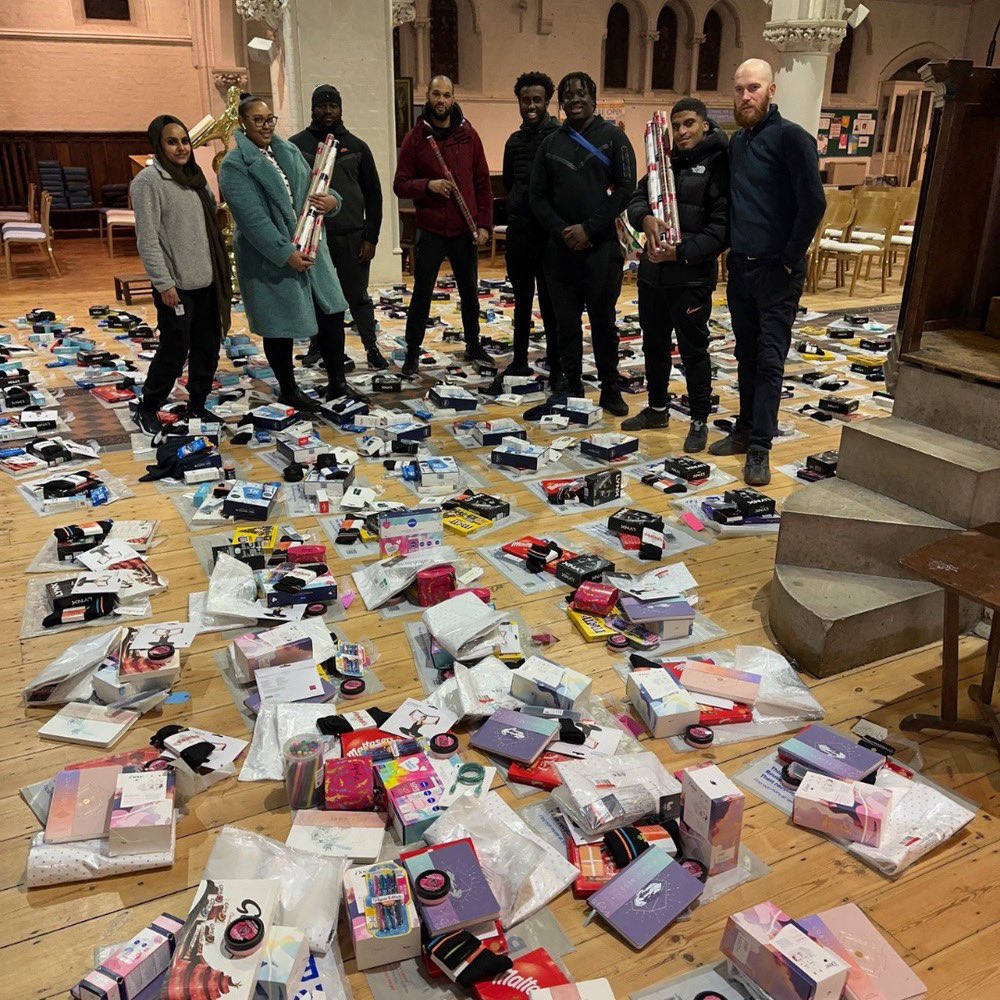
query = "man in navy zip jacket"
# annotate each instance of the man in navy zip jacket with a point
(573, 171)
(776, 202)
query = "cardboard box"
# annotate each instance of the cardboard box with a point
(344, 411)
(413, 791)
(580, 410)
(250, 501)
(545, 684)
(142, 813)
(629, 521)
(453, 397)
(581, 568)
(712, 817)
(593, 628)
(286, 951)
(492, 432)
(404, 531)
(846, 810)
(322, 588)
(371, 893)
(662, 704)
(518, 454)
(721, 682)
(610, 446)
(349, 784)
(769, 950)
(273, 417)
(273, 647)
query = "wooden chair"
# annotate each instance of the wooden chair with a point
(28, 216)
(902, 239)
(41, 236)
(499, 236)
(117, 218)
(840, 208)
(874, 217)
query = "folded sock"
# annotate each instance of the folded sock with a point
(625, 845)
(243, 433)
(337, 725)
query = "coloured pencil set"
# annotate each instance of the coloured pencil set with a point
(385, 900)
(309, 229)
(463, 207)
(662, 192)
(303, 760)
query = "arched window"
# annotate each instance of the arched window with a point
(616, 48)
(444, 39)
(709, 53)
(841, 82)
(665, 50)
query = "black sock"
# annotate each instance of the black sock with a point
(337, 725)
(465, 959)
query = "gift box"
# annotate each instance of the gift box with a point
(413, 791)
(142, 813)
(438, 474)
(273, 417)
(518, 454)
(846, 810)
(382, 918)
(824, 462)
(404, 430)
(277, 593)
(609, 447)
(140, 672)
(250, 501)
(580, 410)
(721, 682)
(765, 946)
(349, 784)
(687, 468)
(344, 411)
(545, 684)
(404, 531)
(595, 598)
(712, 817)
(595, 865)
(492, 432)
(579, 569)
(274, 647)
(452, 397)
(486, 505)
(286, 951)
(628, 521)
(662, 704)
(301, 448)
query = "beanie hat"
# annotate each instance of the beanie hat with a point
(326, 93)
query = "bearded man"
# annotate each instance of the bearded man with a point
(776, 201)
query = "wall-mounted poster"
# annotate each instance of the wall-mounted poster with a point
(845, 133)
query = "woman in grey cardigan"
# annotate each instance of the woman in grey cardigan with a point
(184, 255)
(265, 182)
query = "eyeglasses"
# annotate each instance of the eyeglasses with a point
(261, 122)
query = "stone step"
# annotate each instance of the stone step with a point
(958, 406)
(830, 621)
(838, 525)
(939, 473)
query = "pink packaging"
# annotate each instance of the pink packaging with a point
(349, 784)
(845, 810)
(712, 817)
(434, 584)
(722, 682)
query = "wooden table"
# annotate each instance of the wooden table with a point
(127, 286)
(965, 565)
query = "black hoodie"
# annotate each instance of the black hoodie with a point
(701, 181)
(518, 156)
(355, 179)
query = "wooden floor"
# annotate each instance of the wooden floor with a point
(942, 915)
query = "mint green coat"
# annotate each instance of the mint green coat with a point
(278, 300)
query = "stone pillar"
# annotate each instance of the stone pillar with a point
(651, 37)
(694, 44)
(422, 36)
(347, 43)
(805, 45)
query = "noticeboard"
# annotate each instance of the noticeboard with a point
(845, 133)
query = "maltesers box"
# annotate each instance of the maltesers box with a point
(593, 628)
(492, 432)
(662, 704)
(413, 792)
(766, 947)
(142, 813)
(546, 684)
(133, 966)
(349, 784)
(609, 446)
(381, 915)
(464, 522)
(519, 454)
(453, 397)
(847, 810)
(273, 647)
(250, 501)
(712, 817)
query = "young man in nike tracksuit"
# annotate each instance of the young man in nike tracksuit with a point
(676, 282)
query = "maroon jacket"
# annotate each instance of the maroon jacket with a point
(463, 152)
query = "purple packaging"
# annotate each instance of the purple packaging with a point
(820, 748)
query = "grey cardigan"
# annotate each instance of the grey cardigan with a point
(170, 231)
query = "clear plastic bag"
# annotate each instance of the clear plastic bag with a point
(476, 692)
(380, 581)
(68, 677)
(276, 724)
(310, 886)
(232, 589)
(524, 872)
(461, 623)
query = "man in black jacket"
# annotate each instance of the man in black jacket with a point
(570, 178)
(776, 203)
(352, 233)
(525, 243)
(676, 282)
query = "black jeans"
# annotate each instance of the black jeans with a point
(684, 311)
(329, 340)
(763, 298)
(586, 279)
(194, 337)
(429, 251)
(524, 251)
(354, 276)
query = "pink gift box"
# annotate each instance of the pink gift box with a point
(349, 784)
(712, 817)
(846, 810)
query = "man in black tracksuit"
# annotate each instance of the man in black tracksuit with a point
(570, 178)
(776, 202)
(352, 233)
(526, 240)
(676, 282)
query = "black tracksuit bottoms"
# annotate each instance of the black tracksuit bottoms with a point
(524, 251)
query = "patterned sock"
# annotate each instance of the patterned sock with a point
(465, 959)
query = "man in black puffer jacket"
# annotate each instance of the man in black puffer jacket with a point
(526, 240)
(676, 282)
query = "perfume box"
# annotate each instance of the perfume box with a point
(285, 953)
(142, 813)
(545, 684)
(274, 647)
(662, 704)
(381, 914)
(349, 784)
(712, 817)
(846, 810)
(766, 947)
(610, 446)
(338, 834)
(721, 682)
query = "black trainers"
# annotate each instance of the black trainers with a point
(731, 444)
(349, 364)
(475, 352)
(335, 390)
(757, 469)
(523, 370)
(697, 437)
(297, 398)
(376, 361)
(557, 382)
(312, 356)
(410, 366)
(146, 419)
(647, 419)
(611, 400)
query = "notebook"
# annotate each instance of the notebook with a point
(333, 834)
(516, 736)
(470, 900)
(646, 897)
(89, 724)
(81, 805)
(820, 748)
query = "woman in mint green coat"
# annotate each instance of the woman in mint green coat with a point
(265, 182)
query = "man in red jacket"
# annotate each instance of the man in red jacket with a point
(442, 227)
